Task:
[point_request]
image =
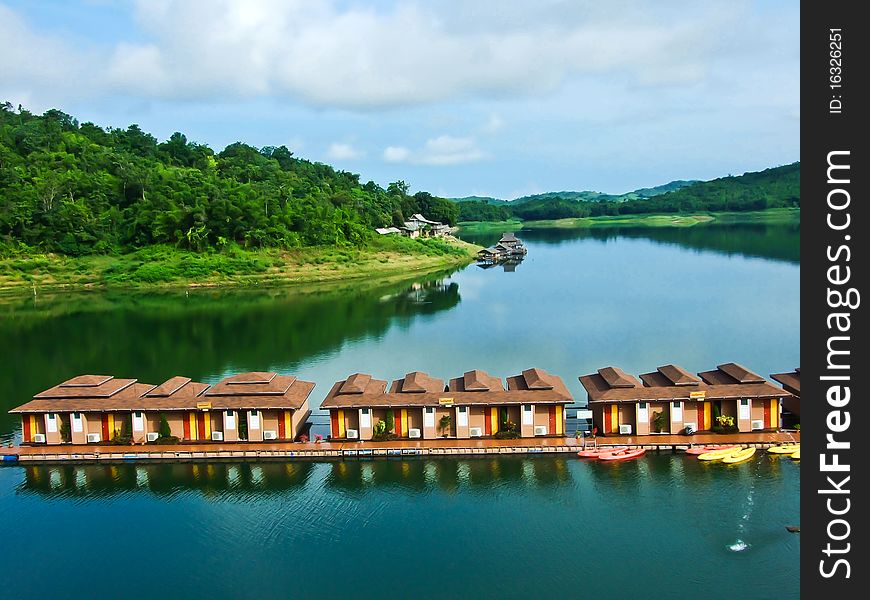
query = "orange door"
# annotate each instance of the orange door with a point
(200, 425)
(552, 429)
(333, 422)
(186, 426)
(281, 430)
(105, 422)
(767, 414)
(487, 422)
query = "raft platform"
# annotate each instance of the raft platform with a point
(244, 451)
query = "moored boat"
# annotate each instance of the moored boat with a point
(739, 456)
(796, 455)
(696, 450)
(718, 454)
(596, 452)
(623, 455)
(784, 449)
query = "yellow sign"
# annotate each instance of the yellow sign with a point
(203, 405)
(445, 401)
(698, 395)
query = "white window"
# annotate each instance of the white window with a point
(462, 416)
(51, 423)
(229, 419)
(744, 410)
(429, 417)
(138, 421)
(528, 415)
(676, 411)
(77, 422)
(642, 412)
(254, 420)
(365, 418)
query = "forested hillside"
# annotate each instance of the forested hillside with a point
(772, 188)
(81, 189)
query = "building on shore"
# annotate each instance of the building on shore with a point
(420, 226)
(672, 400)
(101, 408)
(474, 405)
(792, 384)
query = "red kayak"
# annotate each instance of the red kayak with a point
(703, 449)
(624, 455)
(598, 452)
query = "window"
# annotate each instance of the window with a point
(364, 411)
(744, 403)
(77, 415)
(229, 413)
(676, 405)
(641, 405)
(51, 416)
(255, 413)
(462, 409)
(138, 414)
(429, 410)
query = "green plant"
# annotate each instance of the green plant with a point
(798, 426)
(390, 420)
(659, 421)
(163, 430)
(725, 421)
(444, 424)
(380, 429)
(65, 435)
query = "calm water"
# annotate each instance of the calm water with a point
(508, 527)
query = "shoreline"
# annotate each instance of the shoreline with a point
(168, 269)
(768, 216)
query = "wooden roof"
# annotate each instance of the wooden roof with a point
(730, 373)
(87, 386)
(246, 391)
(508, 236)
(533, 386)
(790, 381)
(658, 387)
(617, 378)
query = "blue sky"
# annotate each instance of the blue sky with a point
(454, 97)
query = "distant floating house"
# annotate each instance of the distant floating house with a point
(475, 405)
(622, 405)
(420, 226)
(508, 247)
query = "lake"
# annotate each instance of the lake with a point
(662, 527)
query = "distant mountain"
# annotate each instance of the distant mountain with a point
(584, 196)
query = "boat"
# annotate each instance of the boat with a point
(739, 456)
(784, 449)
(695, 450)
(596, 452)
(623, 455)
(718, 454)
(796, 455)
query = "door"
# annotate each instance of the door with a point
(187, 427)
(333, 422)
(607, 427)
(552, 428)
(487, 423)
(282, 427)
(107, 435)
(767, 414)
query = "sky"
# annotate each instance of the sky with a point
(496, 98)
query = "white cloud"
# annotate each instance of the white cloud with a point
(443, 150)
(493, 125)
(340, 151)
(396, 154)
(350, 56)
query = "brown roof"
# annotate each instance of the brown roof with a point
(180, 393)
(356, 383)
(475, 381)
(790, 381)
(731, 373)
(659, 388)
(617, 378)
(417, 383)
(253, 384)
(549, 390)
(678, 375)
(87, 386)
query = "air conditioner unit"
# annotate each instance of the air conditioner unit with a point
(217, 436)
(691, 426)
(39, 438)
(352, 434)
(93, 438)
(540, 430)
(475, 432)
(413, 433)
(270, 434)
(757, 425)
(625, 429)
(152, 436)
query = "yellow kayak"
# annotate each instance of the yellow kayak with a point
(796, 455)
(718, 454)
(784, 449)
(739, 456)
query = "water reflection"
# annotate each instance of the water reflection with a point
(206, 479)
(449, 475)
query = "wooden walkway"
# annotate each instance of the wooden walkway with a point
(345, 450)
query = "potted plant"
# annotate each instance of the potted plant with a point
(444, 423)
(659, 421)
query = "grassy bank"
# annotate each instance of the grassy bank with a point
(166, 266)
(770, 216)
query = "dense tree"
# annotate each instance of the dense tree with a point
(81, 189)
